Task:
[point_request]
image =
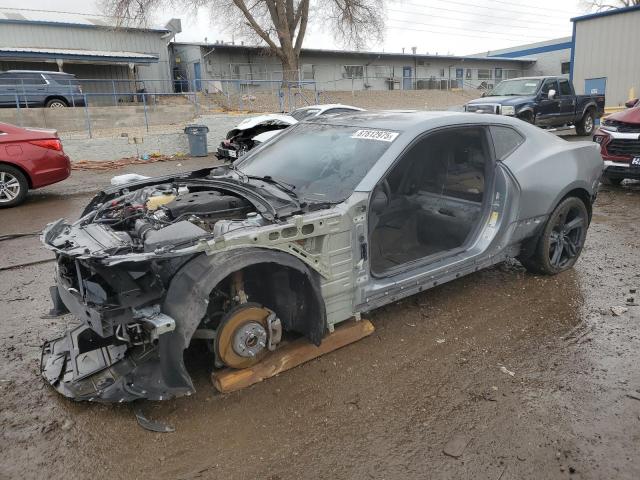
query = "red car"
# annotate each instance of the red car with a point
(29, 158)
(619, 139)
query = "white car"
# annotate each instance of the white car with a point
(255, 130)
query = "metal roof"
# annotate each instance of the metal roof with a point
(61, 18)
(606, 13)
(363, 53)
(72, 54)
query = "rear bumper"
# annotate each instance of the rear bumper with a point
(52, 168)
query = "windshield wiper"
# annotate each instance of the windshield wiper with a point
(284, 186)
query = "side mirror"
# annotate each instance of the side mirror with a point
(551, 95)
(484, 94)
(632, 103)
(379, 202)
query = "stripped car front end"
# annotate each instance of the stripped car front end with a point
(114, 268)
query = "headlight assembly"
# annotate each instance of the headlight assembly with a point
(508, 110)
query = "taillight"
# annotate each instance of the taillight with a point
(50, 143)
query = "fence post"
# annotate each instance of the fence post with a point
(18, 111)
(24, 93)
(87, 116)
(73, 100)
(195, 103)
(115, 98)
(144, 106)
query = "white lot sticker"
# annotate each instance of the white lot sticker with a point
(382, 135)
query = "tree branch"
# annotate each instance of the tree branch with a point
(302, 16)
(257, 28)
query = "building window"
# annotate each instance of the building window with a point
(442, 73)
(352, 71)
(308, 71)
(511, 74)
(467, 74)
(484, 74)
(565, 67)
(381, 71)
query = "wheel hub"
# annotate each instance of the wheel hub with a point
(9, 187)
(246, 334)
(250, 340)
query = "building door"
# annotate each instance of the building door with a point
(406, 78)
(595, 86)
(459, 77)
(197, 76)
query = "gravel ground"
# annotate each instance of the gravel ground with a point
(426, 396)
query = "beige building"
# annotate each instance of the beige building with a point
(204, 66)
(606, 54)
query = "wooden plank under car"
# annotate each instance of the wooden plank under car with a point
(290, 356)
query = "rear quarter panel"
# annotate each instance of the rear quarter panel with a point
(547, 168)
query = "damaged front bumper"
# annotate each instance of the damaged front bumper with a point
(82, 365)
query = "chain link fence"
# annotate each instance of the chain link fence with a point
(109, 105)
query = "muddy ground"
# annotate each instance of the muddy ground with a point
(428, 380)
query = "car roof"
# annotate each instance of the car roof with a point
(48, 72)
(388, 119)
(539, 77)
(327, 106)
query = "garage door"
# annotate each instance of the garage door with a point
(593, 86)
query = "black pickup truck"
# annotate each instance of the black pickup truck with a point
(544, 101)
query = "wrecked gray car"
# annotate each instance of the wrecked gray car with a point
(330, 219)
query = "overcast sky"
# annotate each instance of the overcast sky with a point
(435, 26)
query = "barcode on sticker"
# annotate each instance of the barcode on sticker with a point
(382, 135)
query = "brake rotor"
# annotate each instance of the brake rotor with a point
(243, 335)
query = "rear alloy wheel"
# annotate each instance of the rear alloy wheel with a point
(13, 186)
(562, 239)
(585, 126)
(56, 103)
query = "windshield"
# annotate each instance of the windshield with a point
(321, 163)
(521, 86)
(302, 113)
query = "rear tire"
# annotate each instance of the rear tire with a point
(56, 103)
(586, 125)
(611, 181)
(562, 239)
(13, 186)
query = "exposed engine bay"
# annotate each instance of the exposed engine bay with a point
(159, 216)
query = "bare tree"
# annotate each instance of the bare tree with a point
(603, 5)
(279, 24)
